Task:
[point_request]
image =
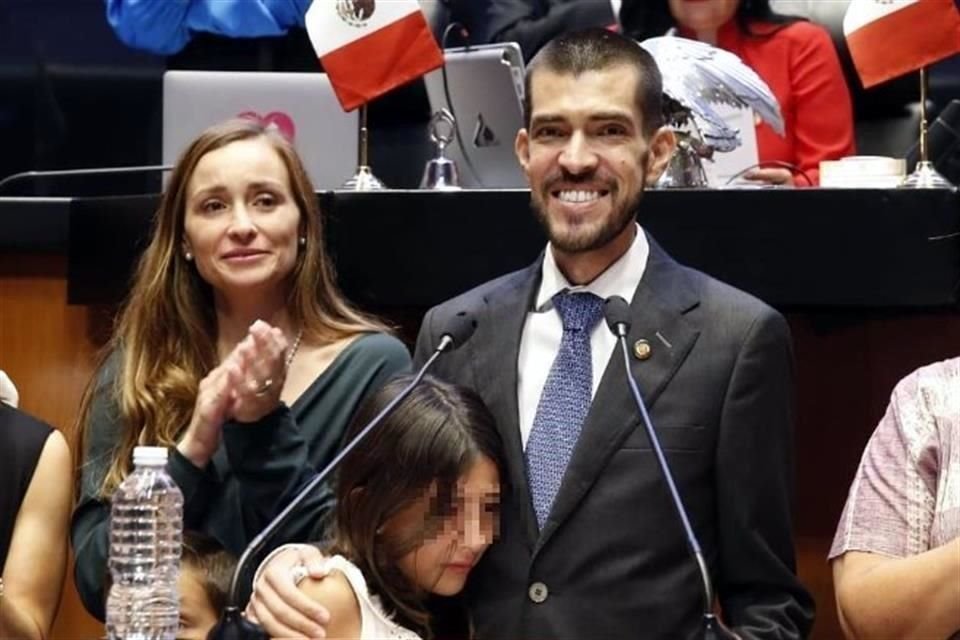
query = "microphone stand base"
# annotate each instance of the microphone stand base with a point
(925, 176)
(363, 180)
(233, 626)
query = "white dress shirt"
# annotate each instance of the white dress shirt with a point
(542, 330)
(8, 392)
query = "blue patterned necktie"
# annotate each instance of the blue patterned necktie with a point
(564, 402)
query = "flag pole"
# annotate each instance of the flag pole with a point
(925, 176)
(363, 179)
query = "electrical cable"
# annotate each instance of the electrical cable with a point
(794, 169)
(464, 34)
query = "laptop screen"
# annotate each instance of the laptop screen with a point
(483, 90)
(302, 105)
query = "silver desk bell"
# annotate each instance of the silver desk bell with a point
(441, 172)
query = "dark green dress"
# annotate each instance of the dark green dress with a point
(256, 470)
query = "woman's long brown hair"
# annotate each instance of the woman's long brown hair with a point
(166, 332)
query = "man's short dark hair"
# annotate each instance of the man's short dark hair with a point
(577, 52)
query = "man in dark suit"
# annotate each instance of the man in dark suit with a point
(590, 545)
(533, 23)
(606, 557)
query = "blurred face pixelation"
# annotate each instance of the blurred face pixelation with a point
(453, 546)
(585, 155)
(703, 15)
(241, 222)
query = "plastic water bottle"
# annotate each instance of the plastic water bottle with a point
(146, 525)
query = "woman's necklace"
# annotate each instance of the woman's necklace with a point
(293, 349)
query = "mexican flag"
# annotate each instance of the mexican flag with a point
(368, 47)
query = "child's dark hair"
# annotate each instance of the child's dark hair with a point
(434, 436)
(208, 557)
(212, 562)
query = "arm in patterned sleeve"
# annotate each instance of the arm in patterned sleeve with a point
(884, 562)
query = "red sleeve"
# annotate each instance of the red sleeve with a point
(824, 112)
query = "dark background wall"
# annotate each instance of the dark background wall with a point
(72, 95)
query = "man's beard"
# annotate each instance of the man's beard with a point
(581, 241)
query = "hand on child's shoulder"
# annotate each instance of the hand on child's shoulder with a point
(336, 595)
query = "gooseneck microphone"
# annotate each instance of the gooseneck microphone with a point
(95, 171)
(232, 625)
(616, 312)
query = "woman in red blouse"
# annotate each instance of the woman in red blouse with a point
(796, 58)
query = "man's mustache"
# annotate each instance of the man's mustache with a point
(567, 178)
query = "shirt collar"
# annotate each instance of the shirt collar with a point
(620, 279)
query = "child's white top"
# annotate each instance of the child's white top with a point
(375, 624)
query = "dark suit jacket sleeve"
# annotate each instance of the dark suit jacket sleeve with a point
(533, 23)
(757, 585)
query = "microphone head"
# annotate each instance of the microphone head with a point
(460, 327)
(616, 312)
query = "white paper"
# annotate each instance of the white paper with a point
(725, 165)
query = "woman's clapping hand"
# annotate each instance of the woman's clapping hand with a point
(245, 387)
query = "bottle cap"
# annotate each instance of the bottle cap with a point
(150, 455)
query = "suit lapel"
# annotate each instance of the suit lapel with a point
(659, 304)
(499, 332)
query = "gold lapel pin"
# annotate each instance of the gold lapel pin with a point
(642, 349)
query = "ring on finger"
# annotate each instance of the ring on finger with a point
(298, 573)
(264, 387)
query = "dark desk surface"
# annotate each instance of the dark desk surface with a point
(793, 248)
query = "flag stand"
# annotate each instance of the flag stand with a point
(363, 179)
(925, 176)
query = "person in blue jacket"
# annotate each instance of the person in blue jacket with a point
(165, 28)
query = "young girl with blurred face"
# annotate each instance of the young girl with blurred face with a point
(417, 506)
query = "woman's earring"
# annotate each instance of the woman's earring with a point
(303, 241)
(188, 256)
